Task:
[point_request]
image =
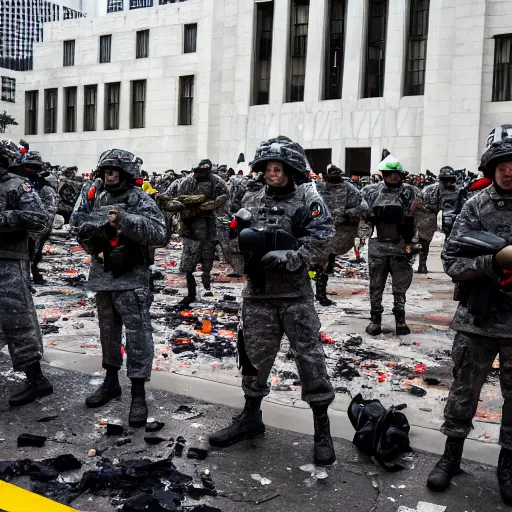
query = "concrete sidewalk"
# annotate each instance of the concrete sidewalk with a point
(354, 483)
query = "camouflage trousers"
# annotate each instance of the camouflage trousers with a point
(264, 323)
(473, 356)
(380, 265)
(131, 309)
(19, 327)
(195, 252)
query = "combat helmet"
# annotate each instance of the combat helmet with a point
(121, 160)
(496, 153)
(284, 150)
(9, 152)
(392, 165)
(447, 173)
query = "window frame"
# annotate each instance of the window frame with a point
(263, 52)
(376, 44)
(70, 120)
(10, 96)
(298, 50)
(70, 53)
(138, 106)
(115, 6)
(504, 94)
(417, 38)
(50, 112)
(142, 47)
(190, 28)
(88, 109)
(186, 110)
(102, 57)
(115, 106)
(334, 56)
(29, 122)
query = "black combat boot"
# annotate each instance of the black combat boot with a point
(374, 328)
(37, 386)
(324, 449)
(37, 277)
(206, 279)
(109, 390)
(138, 410)
(422, 266)
(191, 292)
(402, 328)
(505, 476)
(246, 425)
(448, 466)
(321, 289)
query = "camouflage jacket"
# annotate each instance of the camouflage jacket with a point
(487, 211)
(21, 211)
(301, 213)
(142, 226)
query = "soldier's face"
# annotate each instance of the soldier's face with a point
(275, 175)
(111, 177)
(503, 175)
(392, 177)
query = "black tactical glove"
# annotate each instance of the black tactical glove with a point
(287, 260)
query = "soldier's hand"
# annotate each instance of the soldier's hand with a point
(504, 258)
(208, 206)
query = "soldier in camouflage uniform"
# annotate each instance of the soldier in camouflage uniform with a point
(278, 298)
(69, 190)
(121, 229)
(347, 207)
(21, 212)
(483, 321)
(197, 198)
(31, 167)
(392, 205)
(426, 222)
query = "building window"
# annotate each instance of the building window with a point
(502, 85)
(31, 106)
(105, 48)
(376, 48)
(335, 50)
(70, 111)
(263, 57)
(112, 97)
(8, 89)
(138, 103)
(298, 49)
(142, 45)
(190, 38)
(417, 48)
(50, 110)
(69, 53)
(90, 95)
(138, 4)
(115, 6)
(186, 99)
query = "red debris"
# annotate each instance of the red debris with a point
(326, 339)
(420, 368)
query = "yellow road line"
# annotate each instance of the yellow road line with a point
(16, 499)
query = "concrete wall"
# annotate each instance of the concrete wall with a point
(448, 125)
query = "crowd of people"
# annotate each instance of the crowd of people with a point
(276, 225)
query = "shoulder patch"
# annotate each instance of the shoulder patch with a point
(27, 187)
(316, 209)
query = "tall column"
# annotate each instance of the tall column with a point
(125, 105)
(61, 108)
(355, 47)
(79, 108)
(280, 52)
(395, 51)
(316, 50)
(100, 107)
